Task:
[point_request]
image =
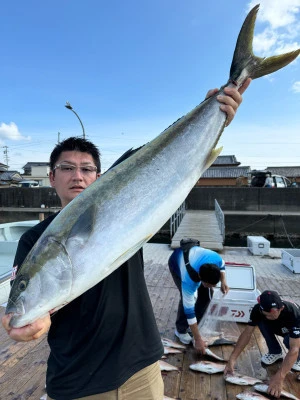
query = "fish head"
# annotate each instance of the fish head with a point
(43, 281)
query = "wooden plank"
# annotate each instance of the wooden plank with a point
(25, 376)
(23, 365)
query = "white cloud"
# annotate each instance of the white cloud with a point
(11, 132)
(278, 13)
(262, 42)
(282, 33)
(296, 87)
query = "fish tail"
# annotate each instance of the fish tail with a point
(245, 64)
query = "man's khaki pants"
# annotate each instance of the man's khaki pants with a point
(146, 384)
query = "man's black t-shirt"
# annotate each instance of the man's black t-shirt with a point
(288, 321)
(103, 337)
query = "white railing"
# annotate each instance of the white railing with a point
(220, 219)
(176, 218)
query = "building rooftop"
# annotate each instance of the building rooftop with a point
(226, 172)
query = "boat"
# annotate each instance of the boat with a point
(10, 234)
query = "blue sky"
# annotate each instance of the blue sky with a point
(130, 69)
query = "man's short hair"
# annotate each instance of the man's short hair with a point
(210, 273)
(76, 144)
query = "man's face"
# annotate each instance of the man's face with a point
(67, 183)
(273, 313)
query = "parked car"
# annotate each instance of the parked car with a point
(258, 178)
(28, 183)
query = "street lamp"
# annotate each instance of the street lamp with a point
(69, 107)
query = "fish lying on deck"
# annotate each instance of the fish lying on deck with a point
(171, 343)
(170, 350)
(238, 379)
(164, 366)
(208, 367)
(87, 241)
(218, 341)
(251, 396)
(264, 389)
(213, 355)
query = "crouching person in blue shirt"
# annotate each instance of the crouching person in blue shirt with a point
(195, 271)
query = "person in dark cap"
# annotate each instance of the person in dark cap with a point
(273, 316)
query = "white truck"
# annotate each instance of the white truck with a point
(257, 179)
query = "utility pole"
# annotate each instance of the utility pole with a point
(58, 137)
(6, 155)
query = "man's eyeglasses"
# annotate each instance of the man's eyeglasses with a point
(71, 169)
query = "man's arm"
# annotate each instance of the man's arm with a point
(188, 301)
(242, 342)
(224, 286)
(198, 342)
(276, 382)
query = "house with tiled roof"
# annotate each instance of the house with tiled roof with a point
(10, 178)
(226, 161)
(225, 171)
(38, 171)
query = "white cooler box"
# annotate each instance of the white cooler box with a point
(241, 298)
(291, 259)
(258, 245)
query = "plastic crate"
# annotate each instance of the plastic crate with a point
(258, 245)
(291, 259)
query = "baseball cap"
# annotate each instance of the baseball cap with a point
(269, 299)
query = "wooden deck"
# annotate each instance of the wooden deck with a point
(23, 365)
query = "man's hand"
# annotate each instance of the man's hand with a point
(28, 332)
(275, 386)
(230, 100)
(229, 369)
(224, 288)
(199, 345)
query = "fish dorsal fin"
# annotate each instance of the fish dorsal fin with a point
(212, 157)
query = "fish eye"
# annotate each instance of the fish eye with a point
(22, 285)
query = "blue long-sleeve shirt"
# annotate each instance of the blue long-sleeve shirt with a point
(197, 257)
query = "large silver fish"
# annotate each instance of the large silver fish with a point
(213, 355)
(171, 350)
(170, 343)
(238, 379)
(108, 222)
(250, 396)
(164, 366)
(208, 367)
(264, 389)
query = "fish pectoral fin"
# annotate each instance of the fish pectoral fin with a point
(84, 224)
(212, 157)
(125, 256)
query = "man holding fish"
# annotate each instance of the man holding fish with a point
(273, 316)
(105, 341)
(195, 272)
